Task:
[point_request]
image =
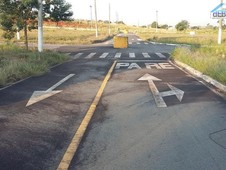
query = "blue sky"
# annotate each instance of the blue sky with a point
(143, 12)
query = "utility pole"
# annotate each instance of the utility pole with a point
(91, 17)
(40, 27)
(220, 29)
(95, 6)
(109, 27)
(156, 28)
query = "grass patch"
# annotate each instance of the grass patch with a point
(204, 55)
(201, 37)
(17, 63)
(210, 61)
(64, 36)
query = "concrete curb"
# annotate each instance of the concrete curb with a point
(201, 75)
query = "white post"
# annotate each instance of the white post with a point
(156, 29)
(91, 17)
(40, 27)
(109, 27)
(220, 29)
(220, 32)
(95, 6)
(18, 34)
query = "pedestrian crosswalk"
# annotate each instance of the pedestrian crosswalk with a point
(90, 55)
(146, 55)
(143, 43)
(133, 43)
(131, 55)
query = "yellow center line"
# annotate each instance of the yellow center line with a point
(73, 146)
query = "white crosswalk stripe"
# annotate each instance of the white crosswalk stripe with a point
(132, 55)
(90, 55)
(77, 56)
(104, 55)
(118, 55)
(130, 43)
(138, 43)
(160, 55)
(146, 55)
(146, 43)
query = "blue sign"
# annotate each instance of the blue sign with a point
(219, 11)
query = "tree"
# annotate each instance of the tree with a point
(183, 25)
(195, 28)
(120, 22)
(58, 10)
(154, 24)
(16, 15)
(165, 26)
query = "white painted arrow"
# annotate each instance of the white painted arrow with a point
(174, 91)
(38, 96)
(158, 96)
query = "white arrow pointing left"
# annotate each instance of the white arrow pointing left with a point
(38, 96)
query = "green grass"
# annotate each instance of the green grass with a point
(64, 36)
(210, 61)
(204, 55)
(202, 37)
(17, 63)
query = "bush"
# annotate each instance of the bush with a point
(209, 60)
(17, 63)
(183, 25)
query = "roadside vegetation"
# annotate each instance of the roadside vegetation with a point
(17, 63)
(66, 36)
(210, 61)
(204, 54)
(201, 37)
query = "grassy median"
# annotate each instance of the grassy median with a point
(16, 63)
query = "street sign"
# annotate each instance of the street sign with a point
(219, 12)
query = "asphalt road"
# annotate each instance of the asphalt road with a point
(152, 115)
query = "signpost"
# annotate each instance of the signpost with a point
(219, 12)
